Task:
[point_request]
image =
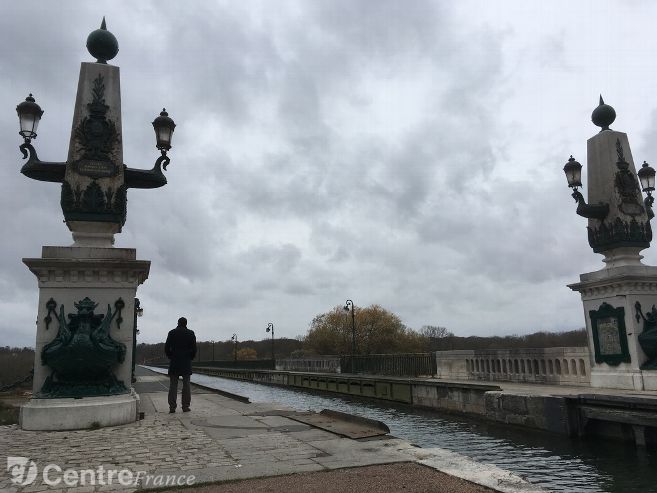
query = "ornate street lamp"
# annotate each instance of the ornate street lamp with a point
(573, 172)
(212, 341)
(29, 115)
(164, 127)
(347, 305)
(273, 357)
(647, 179)
(94, 178)
(234, 339)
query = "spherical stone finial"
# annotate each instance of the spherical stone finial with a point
(603, 116)
(102, 44)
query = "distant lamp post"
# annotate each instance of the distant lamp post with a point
(212, 349)
(271, 327)
(350, 305)
(29, 115)
(234, 339)
(139, 311)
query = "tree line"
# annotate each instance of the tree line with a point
(375, 330)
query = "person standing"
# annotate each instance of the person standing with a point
(180, 348)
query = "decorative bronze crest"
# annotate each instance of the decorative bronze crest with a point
(627, 186)
(97, 137)
(83, 354)
(648, 338)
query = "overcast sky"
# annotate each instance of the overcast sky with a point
(404, 153)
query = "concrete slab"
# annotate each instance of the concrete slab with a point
(279, 422)
(344, 427)
(313, 434)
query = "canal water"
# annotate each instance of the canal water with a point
(555, 462)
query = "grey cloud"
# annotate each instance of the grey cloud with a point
(419, 211)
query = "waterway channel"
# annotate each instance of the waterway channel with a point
(555, 462)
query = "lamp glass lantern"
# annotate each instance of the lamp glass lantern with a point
(29, 115)
(573, 171)
(164, 127)
(647, 177)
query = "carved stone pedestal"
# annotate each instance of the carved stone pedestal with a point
(85, 323)
(618, 304)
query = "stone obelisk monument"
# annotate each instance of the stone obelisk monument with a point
(619, 300)
(85, 322)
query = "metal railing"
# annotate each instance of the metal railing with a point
(247, 364)
(400, 365)
(19, 383)
(318, 364)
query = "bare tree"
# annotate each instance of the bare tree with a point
(435, 332)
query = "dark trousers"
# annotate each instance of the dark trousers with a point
(173, 391)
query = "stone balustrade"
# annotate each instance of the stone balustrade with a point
(557, 366)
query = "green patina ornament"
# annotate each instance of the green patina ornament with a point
(609, 335)
(603, 116)
(648, 338)
(92, 204)
(82, 355)
(619, 233)
(102, 44)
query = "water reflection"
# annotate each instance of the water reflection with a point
(552, 461)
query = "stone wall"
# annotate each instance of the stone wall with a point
(556, 366)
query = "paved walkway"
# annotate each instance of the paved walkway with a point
(223, 439)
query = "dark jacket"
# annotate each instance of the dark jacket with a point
(180, 348)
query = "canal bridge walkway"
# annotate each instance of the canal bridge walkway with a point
(228, 444)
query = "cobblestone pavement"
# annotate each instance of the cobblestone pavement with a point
(220, 440)
(151, 444)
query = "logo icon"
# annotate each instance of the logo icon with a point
(23, 470)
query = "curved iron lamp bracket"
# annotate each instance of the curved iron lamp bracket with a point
(41, 170)
(648, 201)
(598, 211)
(153, 178)
(54, 172)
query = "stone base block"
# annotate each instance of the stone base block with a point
(78, 414)
(650, 380)
(627, 380)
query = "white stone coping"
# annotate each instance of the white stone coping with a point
(465, 468)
